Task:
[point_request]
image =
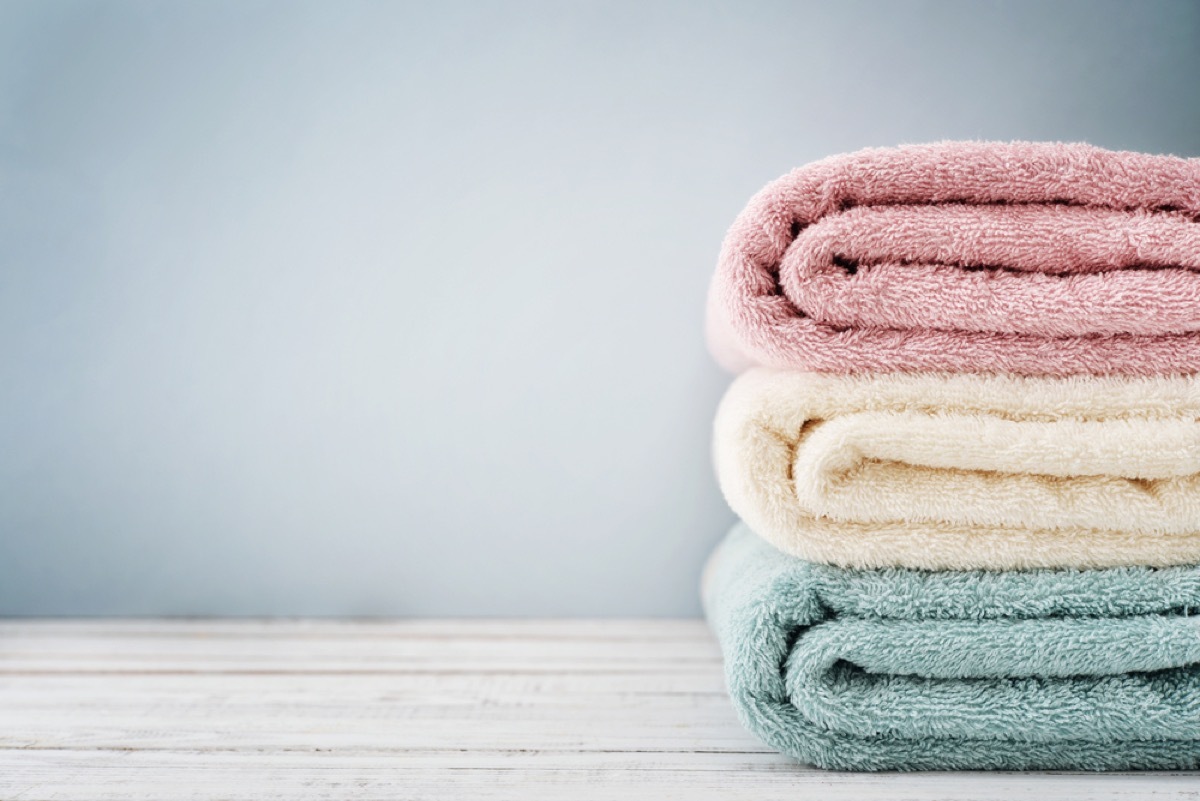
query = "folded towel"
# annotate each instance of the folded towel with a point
(1037, 259)
(913, 670)
(963, 471)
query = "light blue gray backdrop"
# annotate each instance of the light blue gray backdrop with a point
(388, 308)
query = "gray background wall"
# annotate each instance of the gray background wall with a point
(354, 308)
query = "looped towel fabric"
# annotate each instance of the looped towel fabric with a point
(961, 471)
(1027, 258)
(913, 670)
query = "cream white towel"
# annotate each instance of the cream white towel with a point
(960, 472)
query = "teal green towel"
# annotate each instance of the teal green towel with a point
(916, 670)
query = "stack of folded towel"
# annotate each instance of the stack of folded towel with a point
(965, 447)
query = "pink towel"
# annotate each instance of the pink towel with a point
(1051, 259)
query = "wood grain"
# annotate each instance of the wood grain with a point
(143, 709)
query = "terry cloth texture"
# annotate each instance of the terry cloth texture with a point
(914, 670)
(1028, 258)
(962, 471)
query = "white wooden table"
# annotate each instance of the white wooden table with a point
(299, 710)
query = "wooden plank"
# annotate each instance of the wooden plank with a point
(175, 776)
(470, 688)
(455, 647)
(648, 710)
(589, 629)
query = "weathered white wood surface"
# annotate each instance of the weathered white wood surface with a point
(298, 710)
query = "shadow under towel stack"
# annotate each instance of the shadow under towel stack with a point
(965, 448)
